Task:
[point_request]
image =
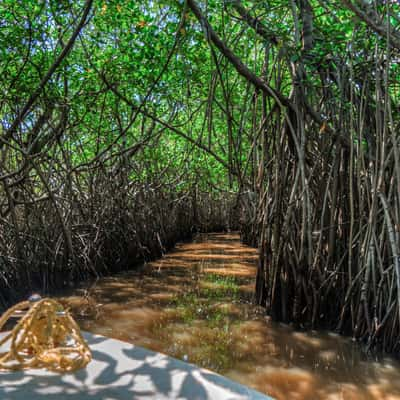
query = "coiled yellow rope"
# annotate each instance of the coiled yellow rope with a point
(45, 337)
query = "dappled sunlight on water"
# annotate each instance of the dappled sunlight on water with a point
(196, 304)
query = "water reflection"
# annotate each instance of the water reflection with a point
(195, 304)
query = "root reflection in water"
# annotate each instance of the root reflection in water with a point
(195, 304)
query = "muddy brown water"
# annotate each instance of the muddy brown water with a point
(195, 304)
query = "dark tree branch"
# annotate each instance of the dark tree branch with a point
(254, 22)
(25, 110)
(164, 123)
(380, 29)
(259, 83)
(306, 14)
(240, 67)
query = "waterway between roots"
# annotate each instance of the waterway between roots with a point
(195, 304)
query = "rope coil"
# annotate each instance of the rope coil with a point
(45, 337)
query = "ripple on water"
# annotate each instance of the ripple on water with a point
(194, 304)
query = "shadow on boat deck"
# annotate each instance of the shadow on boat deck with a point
(122, 371)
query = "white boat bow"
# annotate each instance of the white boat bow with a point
(122, 371)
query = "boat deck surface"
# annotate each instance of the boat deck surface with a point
(122, 371)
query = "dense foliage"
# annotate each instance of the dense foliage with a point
(114, 110)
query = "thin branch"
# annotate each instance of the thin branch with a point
(25, 110)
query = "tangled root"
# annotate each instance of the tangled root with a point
(45, 337)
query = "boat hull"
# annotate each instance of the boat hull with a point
(120, 371)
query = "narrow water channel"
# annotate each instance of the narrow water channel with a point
(195, 304)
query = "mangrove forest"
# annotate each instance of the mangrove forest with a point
(127, 127)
